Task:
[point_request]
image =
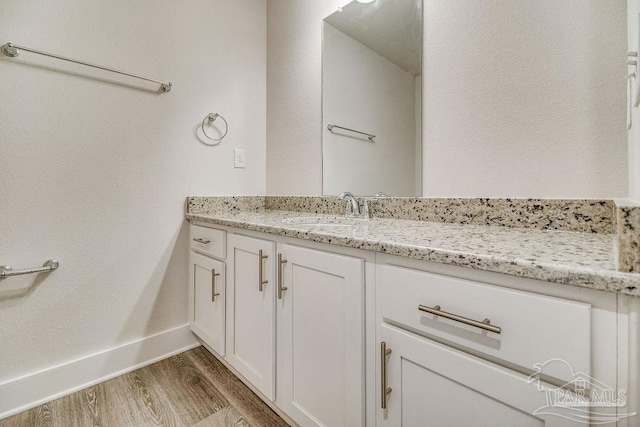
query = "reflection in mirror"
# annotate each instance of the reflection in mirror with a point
(372, 98)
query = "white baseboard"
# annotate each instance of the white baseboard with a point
(28, 391)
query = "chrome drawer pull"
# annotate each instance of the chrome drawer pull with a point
(485, 324)
(213, 285)
(261, 281)
(204, 242)
(384, 390)
(281, 288)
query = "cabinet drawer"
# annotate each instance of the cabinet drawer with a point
(534, 328)
(208, 241)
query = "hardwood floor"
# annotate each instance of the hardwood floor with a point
(190, 389)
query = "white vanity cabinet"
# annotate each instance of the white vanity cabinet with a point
(207, 286)
(251, 328)
(306, 302)
(207, 300)
(319, 331)
(454, 351)
(321, 337)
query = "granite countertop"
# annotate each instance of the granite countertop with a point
(572, 258)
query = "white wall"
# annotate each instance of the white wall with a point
(364, 91)
(95, 174)
(633, 9)
(524, 99)
(521, 98)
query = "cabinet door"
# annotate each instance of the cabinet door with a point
(251, 312)
(207, 301)
(321, 338)
(435, 385)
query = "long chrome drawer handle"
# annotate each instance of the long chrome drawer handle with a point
(261, 281)
(384, 390)
(485, 324)
(204, 242)
(214, 294)
(281, 288)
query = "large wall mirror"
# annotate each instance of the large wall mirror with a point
(372, 98)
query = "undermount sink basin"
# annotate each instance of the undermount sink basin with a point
(324, 221)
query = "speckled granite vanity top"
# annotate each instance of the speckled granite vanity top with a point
(566, 257)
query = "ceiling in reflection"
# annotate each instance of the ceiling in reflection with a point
(376, 25)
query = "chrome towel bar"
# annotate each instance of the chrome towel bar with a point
(369, 136)
(49, 266)
(13, 50)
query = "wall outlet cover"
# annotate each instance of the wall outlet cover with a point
(239, 159)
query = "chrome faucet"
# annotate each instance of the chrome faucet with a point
(353, 209)
(352, 206)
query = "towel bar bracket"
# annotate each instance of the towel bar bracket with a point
(9, 50)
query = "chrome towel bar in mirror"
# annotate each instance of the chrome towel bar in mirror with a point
(330, 128)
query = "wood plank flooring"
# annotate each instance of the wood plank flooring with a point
(192, 389)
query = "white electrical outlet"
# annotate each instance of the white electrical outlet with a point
(239, 160)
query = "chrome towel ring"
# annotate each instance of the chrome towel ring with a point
(210, 118)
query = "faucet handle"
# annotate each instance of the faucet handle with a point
(348, 211)
(365, 208)
(366, 200)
